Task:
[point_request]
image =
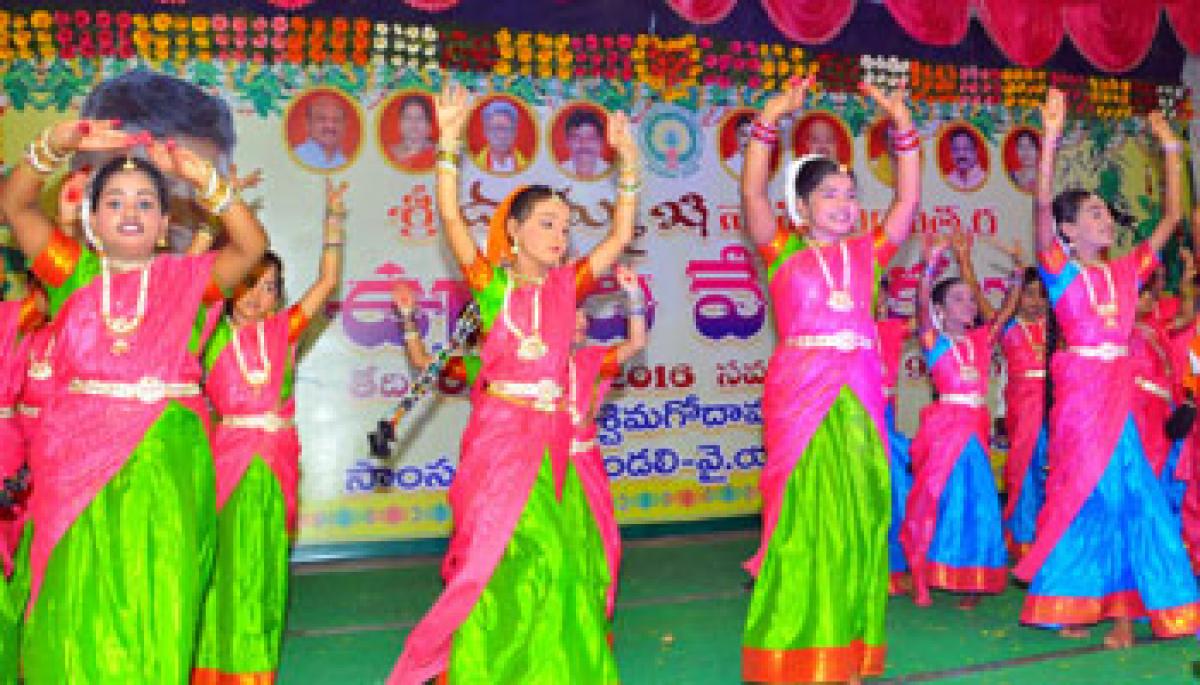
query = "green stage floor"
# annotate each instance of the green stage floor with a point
(679, 620)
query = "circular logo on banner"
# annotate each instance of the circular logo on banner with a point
(671, 141)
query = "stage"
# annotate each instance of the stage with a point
(679, 620)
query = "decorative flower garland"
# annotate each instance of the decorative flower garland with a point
(670, 69)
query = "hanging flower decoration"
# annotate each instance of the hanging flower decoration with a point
(667, 68)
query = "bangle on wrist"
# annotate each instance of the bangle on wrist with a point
(1172, 146)
(412, 334)
(48, 152)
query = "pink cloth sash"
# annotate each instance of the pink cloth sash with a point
(590, 391)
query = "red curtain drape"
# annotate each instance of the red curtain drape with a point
(703, 11)
(809, 21)
(1184, 16)
(1024, 30)
(934, 22)
(1114, 35)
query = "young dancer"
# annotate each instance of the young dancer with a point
(251, 368)
(19, 322)
(1105, 546)
(122, 510)
(1023, 343)
(817, 612)
(952, 532)
(510, 611)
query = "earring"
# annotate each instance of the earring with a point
(162, 240)
(515, 248)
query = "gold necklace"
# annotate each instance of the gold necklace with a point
(1107, 311)
(840, 299)
(967, 370)
(530, 347)
(122, 326)
(257, 377)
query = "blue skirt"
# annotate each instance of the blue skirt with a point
(967, 553)
(1121, 557)
(900, 463)
(1023, 522)
(1172, 487)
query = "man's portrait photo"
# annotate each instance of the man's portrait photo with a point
(578, 141)
(324, 130)
(822, 133)
(502, 135)
(962, 157)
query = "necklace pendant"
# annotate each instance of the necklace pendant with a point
(257, 378)
(1107, 310)
(1110, 321)
(120, 346)
(531, 349)
(968, 373)
(841, 301)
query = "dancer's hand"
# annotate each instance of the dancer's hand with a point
(404, 299)
(174, 159)
(894, 104)
(453, 107)
(1161, 129)
(1054, 116)
(240, 183)
(96, 135)
(788, 101)
(627, 279)
(620, 137)
(934, 245)
(335, 198)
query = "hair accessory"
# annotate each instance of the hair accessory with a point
(789, 190)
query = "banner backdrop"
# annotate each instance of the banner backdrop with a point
(681, 433)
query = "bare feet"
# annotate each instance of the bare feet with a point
(969, 602)
(1121, 635)
(920, 595)
(1075, 633)
(901, 585)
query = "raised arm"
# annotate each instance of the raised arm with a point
(414, 346)
(453, 110)
(1054, 115)
(329, 275)
(20, 201)
(960, 247)
(756, 165)
(247, 241)
(620, 137)
(203, 238)
(933, 247)
(635, 340)
(897, 225)
(1172, 204)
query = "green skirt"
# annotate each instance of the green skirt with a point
(120, 599)
(541, 618)
(14, 591)
(817, 612)
(245, 605)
